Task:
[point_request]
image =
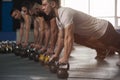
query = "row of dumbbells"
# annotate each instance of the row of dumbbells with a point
(33, 54)
(7, 46)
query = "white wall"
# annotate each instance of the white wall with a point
(105, 9)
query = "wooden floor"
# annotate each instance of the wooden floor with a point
(83, 66)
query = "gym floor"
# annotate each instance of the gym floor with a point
(83, 66)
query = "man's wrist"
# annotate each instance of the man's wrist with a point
(57, 54)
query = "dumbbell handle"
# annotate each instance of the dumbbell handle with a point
(64, 66)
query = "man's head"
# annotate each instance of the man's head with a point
(49, 5)
(36, 9)
(25, 7)
(24, 10)
(16, 14)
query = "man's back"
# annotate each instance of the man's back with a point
(85, 25)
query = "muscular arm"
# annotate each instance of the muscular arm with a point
(66, 22)
(21, 32)
(47, 35)
(60, 42)
(54, 33)
(41, 30)
(68, 41)
(36, 30)
(27, 27)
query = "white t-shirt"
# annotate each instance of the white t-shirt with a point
(84, 25)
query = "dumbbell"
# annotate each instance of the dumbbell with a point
(36, 55)
(17, 49)
(8, 47)
(39, 56)
(62, 71)
(25, 51)
(42, 57)
(47, 58)
(13, 46)
(3, 47)
(53, 66)
(31, 52)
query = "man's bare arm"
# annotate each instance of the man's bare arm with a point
(36, 30)
(27, 28)
(41, 30)
(68, 41)
(47, 35)
(60, 42)
(54, 33)
(21, 32)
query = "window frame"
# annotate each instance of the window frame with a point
(115, 16)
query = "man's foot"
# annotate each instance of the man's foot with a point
(111, 53)
(100, 58)
(102, 54)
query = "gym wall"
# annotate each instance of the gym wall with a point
(6, 22)
(0, 15)
(16, 24)
(16, 4)
(8, 26)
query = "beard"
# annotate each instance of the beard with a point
(51, 14)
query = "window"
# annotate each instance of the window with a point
(118, 12)
(119, 23)
(104, 9)
(81, 5)
(118, 8)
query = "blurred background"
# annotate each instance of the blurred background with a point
(105, 9)
(9, 26)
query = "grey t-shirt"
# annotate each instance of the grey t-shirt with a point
(84, 25)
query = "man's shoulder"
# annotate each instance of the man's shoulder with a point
(64, 9)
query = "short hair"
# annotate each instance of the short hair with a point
(56, 1)
(32, 4)
(26, 4)
(36, 5)
(14, 9)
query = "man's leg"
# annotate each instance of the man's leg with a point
(112, 39)
(36, 31)
(94, 44)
